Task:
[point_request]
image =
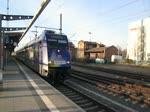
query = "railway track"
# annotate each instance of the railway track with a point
(128, 92)
(124, 91)
(136, 92)
(84, 101)
(117, 72)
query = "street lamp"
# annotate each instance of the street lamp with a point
(90, 36)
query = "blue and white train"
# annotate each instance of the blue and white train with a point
(48, 55)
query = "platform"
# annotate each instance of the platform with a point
(143, 70)
(22, 90)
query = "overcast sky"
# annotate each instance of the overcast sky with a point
(106, 20)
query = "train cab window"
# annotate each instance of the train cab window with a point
(52, 42)
(62, 43)
(57, 41)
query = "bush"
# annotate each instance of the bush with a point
(129, 61)
(86, 60)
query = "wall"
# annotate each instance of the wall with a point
(146, 24)
(138, 48)
(81, 50)
(112, 50)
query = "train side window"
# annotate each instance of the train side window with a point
(40, 45)
(36, 52)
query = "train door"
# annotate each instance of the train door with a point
(36, 57)
(40, 57)
(43, 58)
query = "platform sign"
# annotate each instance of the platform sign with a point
(15, 43)
(1, 76)
(7, 41)
(148, 55)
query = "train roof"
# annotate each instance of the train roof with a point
(39, 38)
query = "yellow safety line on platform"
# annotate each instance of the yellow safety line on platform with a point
(10, 72)
(44, 98)
(1, 77)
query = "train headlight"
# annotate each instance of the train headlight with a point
(68, 62)
(50, 62)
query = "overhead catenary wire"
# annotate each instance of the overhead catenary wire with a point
(108, 12)
(119, 20)
(56, 6)
(7, 12)
(43, 5)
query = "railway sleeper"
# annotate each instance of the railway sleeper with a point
(70, 94)
(79, 102)
(101, 86)
(114, 90)
(136, 98)
(147, 102)
(109, 88)
(91, 109)
(128, 85)
(140, 99)
(116, 86)
(88, 104)
(76, 98)
(128, 90)
(126, 95)
(73, 96)
(145, 89)
(141, 88)
(146, 95)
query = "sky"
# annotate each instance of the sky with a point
(102, 21)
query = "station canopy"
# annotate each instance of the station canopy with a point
(11, 40)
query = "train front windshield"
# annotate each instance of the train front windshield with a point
(58, 51)
(57, 42)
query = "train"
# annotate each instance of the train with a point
(48, 55)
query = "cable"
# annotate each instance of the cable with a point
(112, 10)
(123, 19)
(60, 5)
(17, 9)
(7, 12)
(128, 17)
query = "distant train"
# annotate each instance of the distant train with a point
(48, 55)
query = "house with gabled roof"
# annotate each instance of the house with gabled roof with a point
(93, 50)
(84, 46)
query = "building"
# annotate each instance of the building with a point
(138, 48)
(72, 51)
(93, 50)
(83, 46)
(103, 52)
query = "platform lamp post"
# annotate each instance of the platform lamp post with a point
(1, 51)
(2, 35)
(2, 29)
(90, 35)
(60, 23)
